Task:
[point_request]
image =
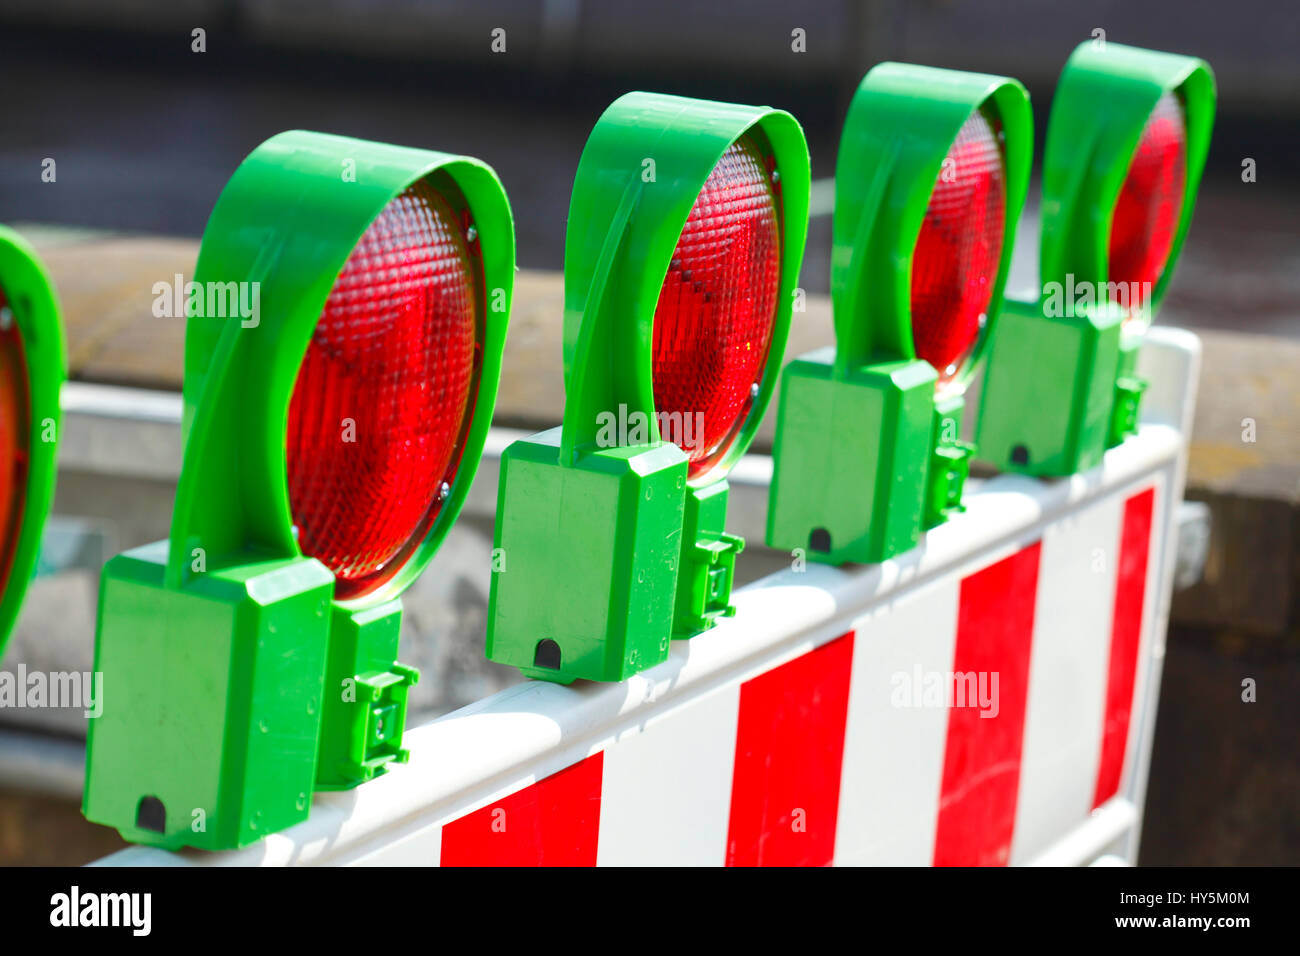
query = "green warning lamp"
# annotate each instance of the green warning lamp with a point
(31, 375)
(1126, 146)
(929, 183)
(686, 231)
(343, 349)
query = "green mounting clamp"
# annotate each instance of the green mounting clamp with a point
(1079, 332)
(598, 573)
(708, 562)
(242, 682)
(1129, 388)
(949, 463)
(32, 370)
(867, 451)
(1124, 418)
(363, 718)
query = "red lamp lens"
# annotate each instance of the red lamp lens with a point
(385, 393)
(1150, 205)
(15, 431)
(717, 309)
(959, 249)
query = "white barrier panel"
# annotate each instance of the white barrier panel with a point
(987, 698)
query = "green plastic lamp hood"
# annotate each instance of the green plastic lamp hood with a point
(32, 371)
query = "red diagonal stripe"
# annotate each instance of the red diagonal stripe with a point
(1125, 639)
(553, 822)
(785, 792)
(981, 766)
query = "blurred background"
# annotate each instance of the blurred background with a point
(145, 119)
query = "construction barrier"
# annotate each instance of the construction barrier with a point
(823, 722)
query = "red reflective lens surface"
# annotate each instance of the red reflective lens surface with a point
(1150, 204)
(385, 393)
(717, 309)
(957, 254)
(15, 432)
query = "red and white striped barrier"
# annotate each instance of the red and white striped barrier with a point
(987, 698)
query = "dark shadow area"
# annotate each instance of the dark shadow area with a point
(1225, 773)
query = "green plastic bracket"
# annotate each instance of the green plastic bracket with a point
(364, 710)
(708, 561)
(1129, 388)
(600, 571)
(1124, 418)
(949, 463)
(230, 602)
(866, 455)
(29, 306)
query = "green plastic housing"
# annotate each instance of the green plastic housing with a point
(860, 497)
(212, 709)
(610, 551)
(591, 559)
(1049, 389)
(1085, 163)
(35, 311)
(867, 456)
(288, 220)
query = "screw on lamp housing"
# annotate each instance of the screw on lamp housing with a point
(1126, 146)
(32, 371)
(930, 179)
(685, 236)
(329, 444)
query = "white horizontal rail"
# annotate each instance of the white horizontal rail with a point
(135, 433)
